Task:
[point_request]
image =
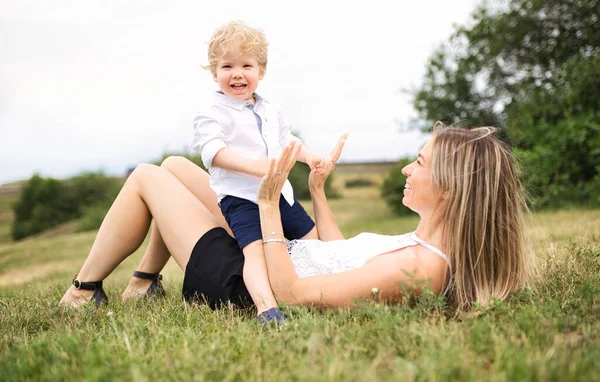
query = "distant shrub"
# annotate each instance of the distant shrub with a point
(92, 187)
(93, 216)
(37, 210)
(359, 182)
(46, 202)
(392, 189)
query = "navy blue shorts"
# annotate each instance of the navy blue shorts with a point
(244, 220)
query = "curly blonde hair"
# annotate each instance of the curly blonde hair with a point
(248, 39)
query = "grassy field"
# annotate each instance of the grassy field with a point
(6, 215)
(548, 331)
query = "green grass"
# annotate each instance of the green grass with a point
(6, 216)
(548, 331)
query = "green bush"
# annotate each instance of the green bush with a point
(557, 137)
(93, 216)
(359, 182)
(37, 208)
(46, 202)
(392, 189)
(93, 193)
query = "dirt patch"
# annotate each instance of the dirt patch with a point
(25, 275)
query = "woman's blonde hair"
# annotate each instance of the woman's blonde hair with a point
(246, 38)
(483, 215)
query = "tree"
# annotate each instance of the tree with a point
(36, 209)
(531, 67)
(46, 202)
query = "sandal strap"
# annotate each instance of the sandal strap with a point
(87, 285)
(99, 297)
(147, 276)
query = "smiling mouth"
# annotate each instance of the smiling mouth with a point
(238, 86)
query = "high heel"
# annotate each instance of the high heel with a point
(99, 297)
(156, 289)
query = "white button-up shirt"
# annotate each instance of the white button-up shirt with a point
(234, 124)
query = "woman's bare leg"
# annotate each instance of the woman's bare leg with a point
(154, 260)
(197, 181)
(149, 191)
(156, 256)
(255, 269)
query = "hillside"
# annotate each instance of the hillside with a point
(9, 193)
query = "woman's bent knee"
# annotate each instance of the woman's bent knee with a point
(142, 172)
(174, 162)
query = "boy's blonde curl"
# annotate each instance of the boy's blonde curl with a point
(246, 38)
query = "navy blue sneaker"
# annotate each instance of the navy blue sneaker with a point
(273, 315)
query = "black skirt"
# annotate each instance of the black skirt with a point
(214, 274)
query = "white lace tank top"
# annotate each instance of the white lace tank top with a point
(315, 257)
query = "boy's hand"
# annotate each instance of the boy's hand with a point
(317, 180)
(316, 163)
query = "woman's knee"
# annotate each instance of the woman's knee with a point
(143, 172)
(184, 169)
(174, 162)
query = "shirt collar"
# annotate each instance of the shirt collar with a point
(222, 99)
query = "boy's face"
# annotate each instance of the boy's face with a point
(238, 74)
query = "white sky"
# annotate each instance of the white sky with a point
(107, 84)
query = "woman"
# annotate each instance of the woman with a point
(464, 185)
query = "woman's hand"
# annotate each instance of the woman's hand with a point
(271, 184)
(317, 179)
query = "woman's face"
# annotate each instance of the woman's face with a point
(419, 195)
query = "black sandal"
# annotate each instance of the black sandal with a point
(99, 297)
(156, 289)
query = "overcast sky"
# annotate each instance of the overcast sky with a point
(107, 84)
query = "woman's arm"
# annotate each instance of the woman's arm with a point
(336, 290)
(325, 222)
(390, 275)
(384, 273)
(390, 278)
(327, 228)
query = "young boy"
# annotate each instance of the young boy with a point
(235, 137)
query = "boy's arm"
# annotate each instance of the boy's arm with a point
(209, 140)
(232, 161)
(305, 155)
